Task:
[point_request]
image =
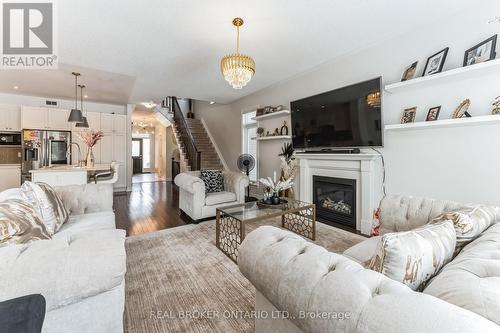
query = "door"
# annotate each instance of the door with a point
(137, 156)
(58, 119)
(34, 118)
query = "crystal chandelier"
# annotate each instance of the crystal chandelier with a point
(237, 68)
(373, 99)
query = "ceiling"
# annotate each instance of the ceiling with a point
(134, 51)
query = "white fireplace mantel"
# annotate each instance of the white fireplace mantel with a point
(363, 167)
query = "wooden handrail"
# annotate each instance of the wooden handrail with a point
(192, 152)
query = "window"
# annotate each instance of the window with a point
(249, 130)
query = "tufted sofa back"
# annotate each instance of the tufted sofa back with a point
(403, 213)
(89, 198)
(307, 281)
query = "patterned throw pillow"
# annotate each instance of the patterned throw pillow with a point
(213, 179)
(470, 222)
(48, 203)
(413, 257)
(20, 223)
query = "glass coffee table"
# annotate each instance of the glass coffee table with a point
(296, 216)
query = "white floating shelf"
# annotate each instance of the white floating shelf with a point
(457, 74)
(461, 122)
(272, 115)
(276, 137)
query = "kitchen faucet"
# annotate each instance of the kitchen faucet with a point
(68, 153)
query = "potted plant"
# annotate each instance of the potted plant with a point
(90, 138)
(289, 168)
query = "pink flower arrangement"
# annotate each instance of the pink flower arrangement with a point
(91, 137)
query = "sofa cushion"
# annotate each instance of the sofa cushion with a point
(86, 222)
(213, 179)
(20, 223)
(11, 193)
(48, 203)
(64, 270)
(364, 251)
(413, 257)
(470, 222)
(472, 279)
(217, 198)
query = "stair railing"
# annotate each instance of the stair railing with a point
(192, 153)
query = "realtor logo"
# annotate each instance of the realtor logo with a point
(28, 35)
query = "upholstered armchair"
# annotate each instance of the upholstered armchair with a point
(197, 204)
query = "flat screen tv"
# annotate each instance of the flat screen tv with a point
(349, 117)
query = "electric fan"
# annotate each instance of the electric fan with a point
(246, 163)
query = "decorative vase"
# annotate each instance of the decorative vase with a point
(89, 161)
(275, 199)
(288, 193)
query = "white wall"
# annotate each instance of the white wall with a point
(61, 103)
(452, 163)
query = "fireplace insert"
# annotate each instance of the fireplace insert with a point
(335, 200)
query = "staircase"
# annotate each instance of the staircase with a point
(197, 149)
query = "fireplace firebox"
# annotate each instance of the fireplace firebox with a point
(335, 200)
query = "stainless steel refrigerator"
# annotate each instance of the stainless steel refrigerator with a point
(43, 148)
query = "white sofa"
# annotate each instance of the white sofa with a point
(80, 271)
(197, 204)
(305, 280)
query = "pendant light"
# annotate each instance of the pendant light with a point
(84, 123)
(238, 69)
(75, 115)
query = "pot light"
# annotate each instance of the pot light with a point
(149, 104)
(16, 87)
(212, 102)
(86, 96)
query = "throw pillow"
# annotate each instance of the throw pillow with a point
(48, 203)
(413, 257)
(470, 222)
(20, 223)
(213, 179)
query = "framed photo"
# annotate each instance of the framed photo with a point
(409, 115)
(410, 72)
(482, 52)
(433, 113)
(435, 62)
(461, 110)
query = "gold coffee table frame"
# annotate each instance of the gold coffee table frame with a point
(296, 216)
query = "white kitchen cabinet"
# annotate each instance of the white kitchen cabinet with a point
(58, 119)
(113, 148)
(10, 117)
(94, 120)
(33, 117)
(10, 177)
(120, 123)
(44, 118)
(113, 123)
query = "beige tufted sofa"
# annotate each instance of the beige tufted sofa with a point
(320, 291)
(197, 204)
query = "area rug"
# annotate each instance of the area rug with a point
(178, 281)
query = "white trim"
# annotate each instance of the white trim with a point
(459, 122)
(276, 114)
(221, 158)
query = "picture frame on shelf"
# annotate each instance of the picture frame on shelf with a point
(433, 113)
(481, 52)
(495, 110)
(409, 115)
(410, 72)
(461, 110)
(260, 112)
(435, 62)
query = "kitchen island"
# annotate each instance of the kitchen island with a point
(62, 175)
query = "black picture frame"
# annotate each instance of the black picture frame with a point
(433, 113)
(441, 63)
(492, 55)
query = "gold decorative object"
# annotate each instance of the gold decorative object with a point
(296, 216)
(373, 99)
(461, 109)
(238, 69)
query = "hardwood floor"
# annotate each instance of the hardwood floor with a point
(149, 207)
